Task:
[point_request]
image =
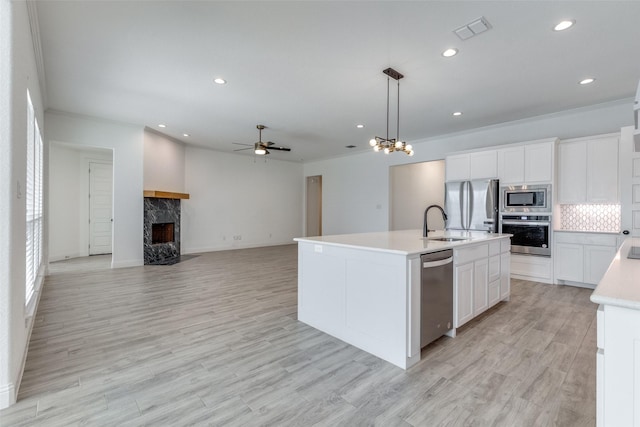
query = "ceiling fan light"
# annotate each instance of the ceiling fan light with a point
(260, 151)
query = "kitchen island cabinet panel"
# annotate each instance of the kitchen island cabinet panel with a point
(365, 289)
(463, 294)
(618, 329)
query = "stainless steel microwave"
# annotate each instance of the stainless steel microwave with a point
(526, 198)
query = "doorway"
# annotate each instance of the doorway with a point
(314, 206)
(72, 213)
(100, 207)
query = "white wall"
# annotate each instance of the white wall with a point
(69, 199)
(413, 188)
(237, 195)
(356, 188)
(163, 163)
(126, 141)
(18, 73)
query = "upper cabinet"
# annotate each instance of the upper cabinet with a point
(526, 164)
(588, 171)
(466, 166)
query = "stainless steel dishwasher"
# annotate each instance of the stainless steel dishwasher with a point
(436, 308)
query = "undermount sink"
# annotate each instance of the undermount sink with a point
(447, 239)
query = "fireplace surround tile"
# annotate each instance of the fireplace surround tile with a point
(161, 211)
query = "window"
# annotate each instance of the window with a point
(34, 200)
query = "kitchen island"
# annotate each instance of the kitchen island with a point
(365, 288)
(618, 340)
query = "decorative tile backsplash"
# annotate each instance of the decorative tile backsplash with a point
(590, 217)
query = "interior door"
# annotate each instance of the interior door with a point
(100, 208)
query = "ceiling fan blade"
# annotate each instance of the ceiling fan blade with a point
(242, 149)
(240, 143)
(279, 148)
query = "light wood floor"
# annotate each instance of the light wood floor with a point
(214, 340)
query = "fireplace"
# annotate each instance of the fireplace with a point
(162, 233)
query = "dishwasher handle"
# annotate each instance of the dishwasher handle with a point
(438, 263)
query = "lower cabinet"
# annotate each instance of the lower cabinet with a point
(583, 257)
(481, 279)
(618, 366)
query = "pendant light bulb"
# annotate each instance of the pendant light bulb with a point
(399, 145)
(386, 150)
(376, 148)
(372, 142)
(409, 147)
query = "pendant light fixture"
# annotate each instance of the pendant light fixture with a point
(389, 145)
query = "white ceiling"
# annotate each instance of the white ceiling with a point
(310, 71)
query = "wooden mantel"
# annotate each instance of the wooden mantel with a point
(165, 194)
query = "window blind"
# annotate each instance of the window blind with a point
(34, 205)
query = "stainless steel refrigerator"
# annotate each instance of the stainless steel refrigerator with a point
(472, 205)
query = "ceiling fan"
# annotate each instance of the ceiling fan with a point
(262, 148)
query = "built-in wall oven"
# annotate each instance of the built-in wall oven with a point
(531, 232)
(526, 214)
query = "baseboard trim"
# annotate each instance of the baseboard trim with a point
(186, 251)
(54, 258)
(127, 263)
(7, 395)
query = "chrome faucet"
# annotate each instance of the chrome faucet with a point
(425, 230)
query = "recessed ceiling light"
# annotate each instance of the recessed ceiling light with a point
(186, 134)
(587, 81)
(360, 126)
(219, 81)
(457, 113)
(162, 126)
(564, 25)
(450, 52)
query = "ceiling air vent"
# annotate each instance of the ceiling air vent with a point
(473, 28)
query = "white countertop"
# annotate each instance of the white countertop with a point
(404, 242)
(620, 285)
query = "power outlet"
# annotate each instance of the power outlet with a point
(237, 237)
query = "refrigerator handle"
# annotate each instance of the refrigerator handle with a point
(466, 201)
(469, 196)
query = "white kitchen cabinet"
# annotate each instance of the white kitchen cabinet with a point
(469, 166)
(480, 280)
(538, 162)
(602, 171)
(569, 262)
(572, 173)
(618, 342)
(588, 171)
(526, 164)
(505, 275)
(583, 258)
(457, 167)
(483, 164)
(596, 262)
(511, 165)
(618, 367)
(480, 286)
(463, 277)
